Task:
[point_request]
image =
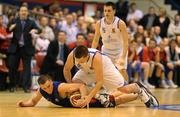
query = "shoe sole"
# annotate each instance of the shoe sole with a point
(148, 93)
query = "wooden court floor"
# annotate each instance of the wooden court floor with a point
(168, 98)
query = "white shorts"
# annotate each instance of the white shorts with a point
(112, 79)
(115, 55)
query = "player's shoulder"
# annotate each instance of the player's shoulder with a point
(100, 20)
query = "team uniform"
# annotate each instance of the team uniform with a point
(55, 98)
(102, 100)
(112, 79)
(112, 40)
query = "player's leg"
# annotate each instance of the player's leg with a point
(124, 98)
(145, 95)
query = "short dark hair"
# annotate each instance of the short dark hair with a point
(153, 40)
(43, 78)
(80, 51)
(61, 31)
(110, 4)
(80, 34)
(171, 41)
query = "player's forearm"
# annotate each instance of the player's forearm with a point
(83, 90)
(96, 89)
(125, 48)
(28, 103)
(67, 75)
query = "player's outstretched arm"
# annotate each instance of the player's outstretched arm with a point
(31, 102)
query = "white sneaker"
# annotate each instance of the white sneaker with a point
(171, 84)
(152, 101)
(164, 84)
(149, 85)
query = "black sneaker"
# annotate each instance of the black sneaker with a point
(152, 102)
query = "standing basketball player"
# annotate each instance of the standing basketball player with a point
(114, 37)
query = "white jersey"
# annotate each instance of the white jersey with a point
(112, 79)
(112, 39)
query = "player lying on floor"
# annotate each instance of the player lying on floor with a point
(62, 94)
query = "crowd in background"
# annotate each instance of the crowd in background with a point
(154, 41)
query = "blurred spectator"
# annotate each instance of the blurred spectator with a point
(47, 32)
(144, 53)
(55, 58)
(4, 37)
(81, 40)
(148, 19)
(74, 18)
(66, 11)
(163, 22)
(53, 7)
(173, 62)
(90, 37)
(41, 10)
(139, 38)
(132, 27)
(166, 41)
(91, 27)
(178, 51)
(134, 13)
(4, 43)
(122, 4)
(140, 30)
(54, 26)
(70, 29)
(24, 4)
(79, 13)
(81, 25)
(41, 45)
(140, 69)
(174, 27)
(157, 36)
(98, 15)
(178, 45)
(11, 17)
(160, 64)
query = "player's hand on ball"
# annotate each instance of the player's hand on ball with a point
(85, 101)
(78, 103)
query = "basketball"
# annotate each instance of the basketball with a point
(74, 98)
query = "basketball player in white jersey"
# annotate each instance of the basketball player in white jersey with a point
(114, 37)
(96, 68)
